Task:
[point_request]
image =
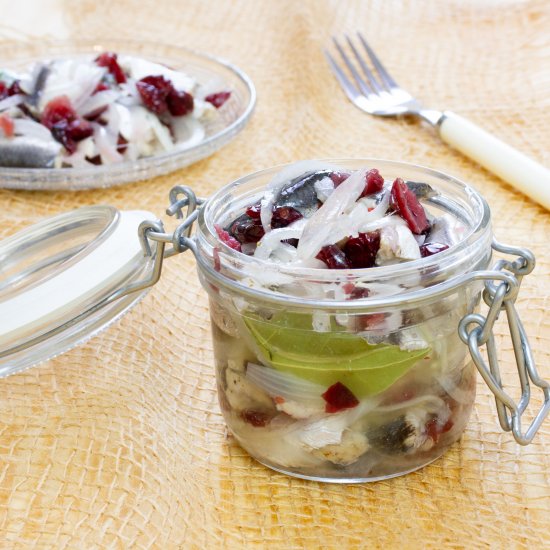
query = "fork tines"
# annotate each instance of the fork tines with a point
(368, 82)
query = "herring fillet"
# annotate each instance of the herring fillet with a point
(25, 152)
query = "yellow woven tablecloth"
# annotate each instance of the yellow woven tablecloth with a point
(120, 443)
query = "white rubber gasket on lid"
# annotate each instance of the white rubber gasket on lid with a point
(54, 299)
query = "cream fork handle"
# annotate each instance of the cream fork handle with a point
(514, 167)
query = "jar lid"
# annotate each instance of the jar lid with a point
(61, 281)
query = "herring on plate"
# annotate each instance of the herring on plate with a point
(99, 111)
(338, 394)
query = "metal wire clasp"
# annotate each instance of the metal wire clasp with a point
(476, 331)
(154, 239)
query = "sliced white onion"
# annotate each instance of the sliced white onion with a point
(188, 131)
(162, 133)
(330, 216)
(270, 241)
(281, 179)
(113, 122)
(12, 101)
(392, 220)
(281, 384)
(30, 128)
(98, 101)
(106, 146)
(429, 403)
(139, 68)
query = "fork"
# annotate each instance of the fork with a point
(374, 91)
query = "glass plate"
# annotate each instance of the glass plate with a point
(213, 74)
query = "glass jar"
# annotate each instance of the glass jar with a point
(332, 375)
(322, 387)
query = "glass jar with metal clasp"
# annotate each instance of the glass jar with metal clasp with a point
(407, 355)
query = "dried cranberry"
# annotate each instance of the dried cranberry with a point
(246, 229)
(109, 61)
(79, 129)
(218, 99)
(3, 90)
(258, 419)
(429, 249)
(405, 203)
(15, 88)
(121, 144)
(226, 238)
(95, 160)
(359, 292)
(64, 123)
(57, 110)
(179, 103)
(101, 87)
(333, 257)
(361, 250)
(283, 216)
(373, 182)
(371, 321)
(254, 211)
(338, 398)
(154, 91)
(435, 430)
(338, 178)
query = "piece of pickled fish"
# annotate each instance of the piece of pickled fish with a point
(25, 152)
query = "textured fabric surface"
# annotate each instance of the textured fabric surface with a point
(120, 443)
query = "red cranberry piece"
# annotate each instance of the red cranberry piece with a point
(179, 103)
(359, 292)
(371, 321)
(79, 129)
(333, 257)
(247, 230)
(283, 216)
(258, 419)
(405, 203)
(154, 91)
(373, 182)
(338, 398)
(429, 249)
(65, 125)
(95, 160)
(6, 125)
(218, 99)
(109, 61)
(15, 88)
(121, 144)
(254, 211)
(226, 238)
(57, 110)
(3, 90)
(338, 178)
(435, 430)
(101, 87)
(361, 250)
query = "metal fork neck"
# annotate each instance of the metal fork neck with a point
(431, 116)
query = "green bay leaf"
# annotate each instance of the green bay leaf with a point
(289, 343)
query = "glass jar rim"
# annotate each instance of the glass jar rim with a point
(210, 245)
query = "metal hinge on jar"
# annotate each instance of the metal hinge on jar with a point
(476, 331)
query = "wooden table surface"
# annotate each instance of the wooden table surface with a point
(120, 443)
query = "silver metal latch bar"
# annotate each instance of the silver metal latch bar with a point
(476, 331)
